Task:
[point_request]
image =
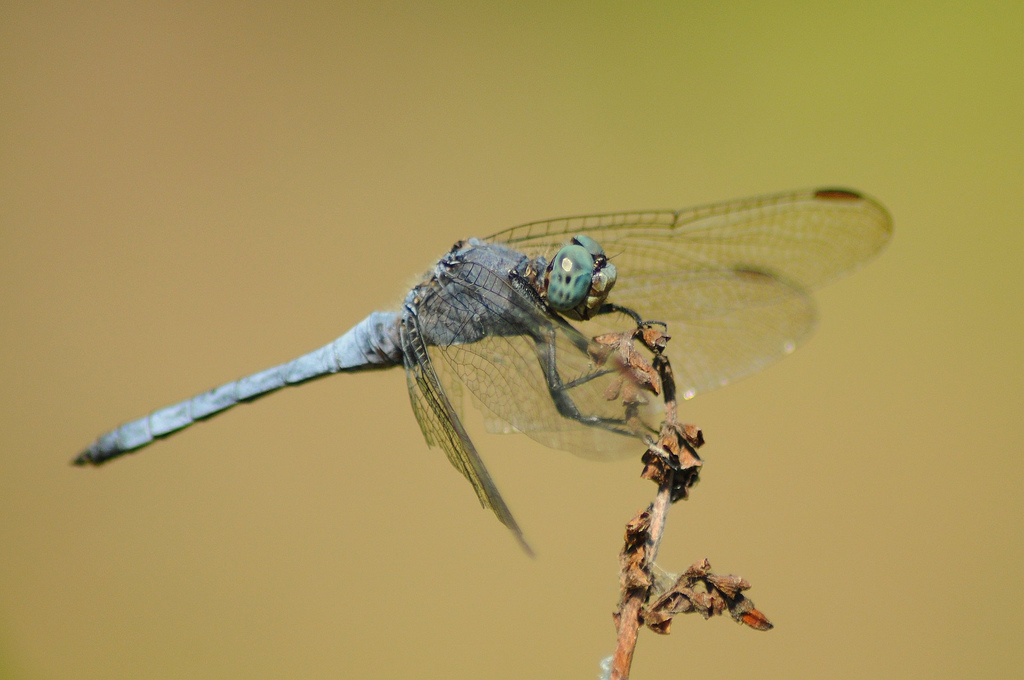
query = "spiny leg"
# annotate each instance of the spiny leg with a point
(611, 308)
(559, 390)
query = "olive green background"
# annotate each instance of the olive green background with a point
(190, 192)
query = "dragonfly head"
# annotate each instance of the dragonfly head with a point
(579, 278)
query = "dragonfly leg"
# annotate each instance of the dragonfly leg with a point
(611, 308)
(546, 355)
(559, 390)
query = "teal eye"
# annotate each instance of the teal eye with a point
(592, 246)
(569, 277)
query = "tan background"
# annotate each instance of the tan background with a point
(189, 194)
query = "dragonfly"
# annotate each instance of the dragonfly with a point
(510, 321)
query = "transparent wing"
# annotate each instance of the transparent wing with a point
(732, 323)
(442, 427)
(730, 279)
(507, 381)
(532, 373)
(805, 237)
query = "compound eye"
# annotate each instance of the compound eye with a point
(592, 246)
(569, 278)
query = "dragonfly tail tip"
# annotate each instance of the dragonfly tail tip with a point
(84, 458)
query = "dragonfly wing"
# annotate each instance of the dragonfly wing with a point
(731, 279)
(724, 324)
(442, 427)
(509, 385)
(806, 237)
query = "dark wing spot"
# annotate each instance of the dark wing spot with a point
(743, 271)
(837, 195)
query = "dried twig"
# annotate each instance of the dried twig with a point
(673, 464)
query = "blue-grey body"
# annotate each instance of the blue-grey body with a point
(373, 343)
(511, 319)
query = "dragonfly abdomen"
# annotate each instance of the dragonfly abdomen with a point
(372, 343)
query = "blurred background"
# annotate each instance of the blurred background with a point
(190, 192)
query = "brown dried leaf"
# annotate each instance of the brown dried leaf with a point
(638, 528)
(614, 389)
(659, 623)
(601, 348)
(676, 602)
(631, 395)
(708, 594)
(672, 456)
(729, 585)
(697, 570)
(639, 368)
(654, 339)
(634, 577)
(693, 435)
(610, 340)
(702, 604)
(633, 572)
(756, 620)
(656, 468)
(688, 459)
